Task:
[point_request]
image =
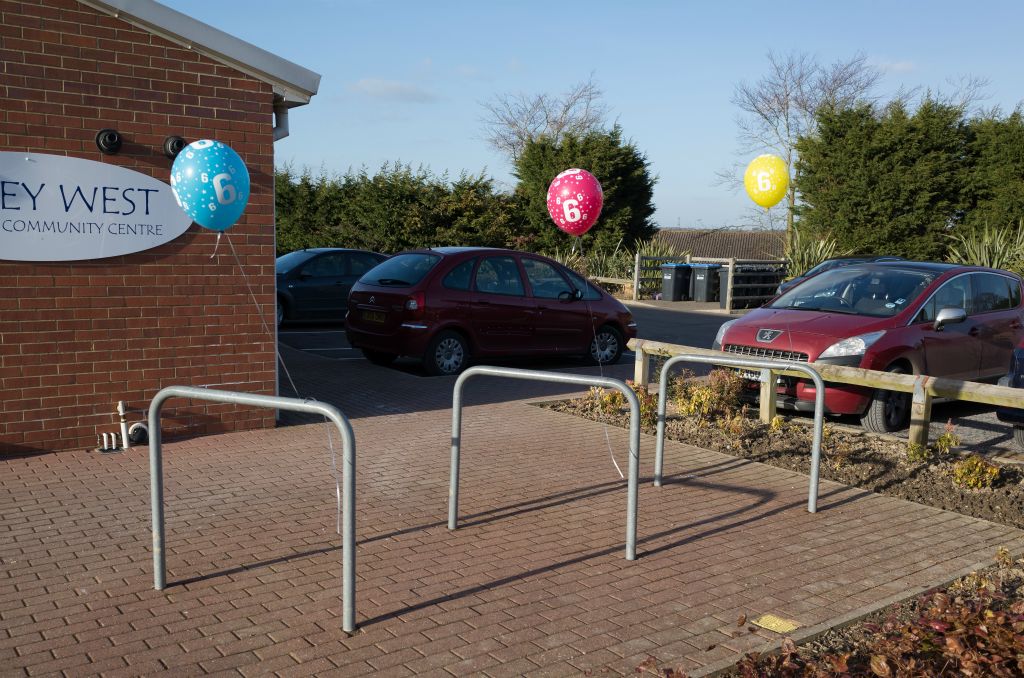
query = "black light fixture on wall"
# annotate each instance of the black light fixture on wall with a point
(108, 141)
(173, 146)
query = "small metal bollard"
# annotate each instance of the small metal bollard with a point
(536, 375)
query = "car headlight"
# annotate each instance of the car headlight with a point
(720, 337)
(852, 346)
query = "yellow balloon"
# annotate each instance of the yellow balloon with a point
(766, 179)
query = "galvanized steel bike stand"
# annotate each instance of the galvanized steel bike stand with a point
(348, 475)
(776, 365)
(535, 375)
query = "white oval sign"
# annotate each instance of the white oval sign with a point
(56, 208)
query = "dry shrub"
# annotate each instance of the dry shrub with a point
(716, 396)
(917, 453)
(605, 400)
(948, 440)
(974, 473)
(610, 402)
(648, 404)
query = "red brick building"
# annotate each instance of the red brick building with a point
(77, 337)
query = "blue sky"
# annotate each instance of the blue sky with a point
(405, 80)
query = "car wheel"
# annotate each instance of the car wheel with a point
(447, 354)
(280, 312)
(379, 357)
(607, 346)
(889, 411)
(1018, 436)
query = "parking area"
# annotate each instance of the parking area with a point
(328, 341)
(678, 323)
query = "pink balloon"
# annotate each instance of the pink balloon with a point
(575, 199)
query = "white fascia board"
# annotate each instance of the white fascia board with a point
(292, 83)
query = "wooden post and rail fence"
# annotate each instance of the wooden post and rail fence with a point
(921, 387)
(647, 273)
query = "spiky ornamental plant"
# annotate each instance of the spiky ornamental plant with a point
(804, 253)
(991, 247)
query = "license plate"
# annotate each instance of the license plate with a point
(374, 316)
(755, 376)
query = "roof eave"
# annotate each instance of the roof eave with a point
(292, 84)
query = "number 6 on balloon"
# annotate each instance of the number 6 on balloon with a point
(572, 214)
(226, 193)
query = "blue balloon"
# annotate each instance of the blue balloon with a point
(210, 182)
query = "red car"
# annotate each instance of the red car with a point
(943, 320)
(450, 304)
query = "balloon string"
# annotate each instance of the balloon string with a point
(266, 327)
(216, 245)
(600, 364)
(600, 367)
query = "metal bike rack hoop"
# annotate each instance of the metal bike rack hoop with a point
(536, 375)
(348, 475)
(773, 365)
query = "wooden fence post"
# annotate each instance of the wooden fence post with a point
(728, 292)
(636, 277)
(768, 396)
(920, 412)
(641, 365)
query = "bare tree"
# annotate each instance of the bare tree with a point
(967, 92)
(780, 108)
(513, 120)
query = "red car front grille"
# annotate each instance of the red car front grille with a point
(759, 352)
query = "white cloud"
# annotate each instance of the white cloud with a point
(393, 90)
(896, 66)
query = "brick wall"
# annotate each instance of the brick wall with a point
(76, 337)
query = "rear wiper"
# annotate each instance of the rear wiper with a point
(393, 281)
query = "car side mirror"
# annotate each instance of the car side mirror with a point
(949, 316)
(570, 295)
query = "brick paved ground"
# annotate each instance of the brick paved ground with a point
(533, 583)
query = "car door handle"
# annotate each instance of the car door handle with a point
(974, 331)
(1016, 325)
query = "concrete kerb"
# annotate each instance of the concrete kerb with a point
(710, 308)
(850, 618)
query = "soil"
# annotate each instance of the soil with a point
(856, 458)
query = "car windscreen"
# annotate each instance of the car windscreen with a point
(401, 270)
(829, 264)
(857, 290)
(287, 262)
